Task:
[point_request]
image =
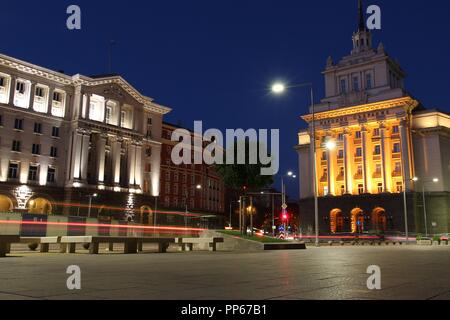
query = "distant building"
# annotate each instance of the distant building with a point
(373, 140)
(64, 138)
(195, 187)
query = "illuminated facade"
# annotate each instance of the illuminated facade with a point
(67, 137)
(372, 140)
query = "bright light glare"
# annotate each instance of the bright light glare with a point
(331, 145)
(278, 88)
(435, 180)
(415, 179)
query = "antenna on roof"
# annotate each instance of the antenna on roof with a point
(111, 44)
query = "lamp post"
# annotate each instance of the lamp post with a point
(405, 207)
(91, 196)
(280, 88)
(231, 211)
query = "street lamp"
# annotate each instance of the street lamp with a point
(435, 180)
(405, 206)
(231, 211)
(91, 196)
(279, 88)
(290, 174)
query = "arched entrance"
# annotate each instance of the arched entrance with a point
(6, 205)
(146, 216)
(357, 220)
(379, 219)
(40, 206)
(336, 221)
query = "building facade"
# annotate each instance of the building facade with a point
(65, 140)
(373, 142)
(195, 187)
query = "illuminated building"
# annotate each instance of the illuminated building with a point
(196, 186)
(372, 140)
(64, 138)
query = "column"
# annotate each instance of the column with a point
(138, 167)
(50, 100)
(331, 170)
(383, 157)
(365, 159)
(31, 97)
(116, 157)
(12, 90)
(88, 106)
(85, 156)
(156, 170)
(347, 163)
(76, 155)
(131, 164)
(314, 166)
(405, 155)
(101, 150)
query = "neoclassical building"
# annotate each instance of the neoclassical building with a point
(65, 140)
(373, 141)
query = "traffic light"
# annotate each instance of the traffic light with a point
(284, 216)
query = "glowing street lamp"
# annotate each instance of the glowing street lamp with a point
(278, 88)
(330, 145)
(435, 180)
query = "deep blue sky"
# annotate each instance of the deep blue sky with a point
(213, 60)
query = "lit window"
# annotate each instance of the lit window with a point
(360, 189)
(108, 115)
(378, 168)
(360, 170)
(122, 118)
(341, 154)
(395, 129)
(397, 148)
(57, 96)
(380, 188)
(377, 150)
(358, 134)
(376, 132)
(358, 152)
(20, 87)
(40, 92)
(399, 187)
(398, 167)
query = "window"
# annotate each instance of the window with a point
(342, 190)
(175, 189)
(377, 150)
(359, 171)
(2, 82)
(324, 156)
(149, 121)
(16, 146)
(380, 188)
(108, 114)
(54, 152)
(38, 128)
(13, 171)
(18, 124)
(395, 129)
(398, 167)
(1, 120)
(57, 96)
(376, 132)
(399, 187)
(359, 152)
(343, 86)
(122, 118)
(148, 152)
(368, 81)
(397, 148)
(39, 92)
(341, 171)
(358, 135)
(167, 176)
(355, 84)
(378, 168)
(176, 177)
(55, 132)
(33, 173)
(167, 188)
(20, 87)
(51, 175)
(36, 149)
(341, 154)
(341, 137)
(360, 189)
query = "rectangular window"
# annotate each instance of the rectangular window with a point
(16, 146)
(368, 81)
(18, 124)
(149, 121)
(148, 152)
(398, 167)
(397, 148)
(343, 86)
(36, 149)
(378, 168)
(51, 175)
(395, 129)
(360, 189)
(2, 82)
(13, 171)
(167, 188)
(55, 132)
(376, 133)
(54, 152)
(341, 154)
(358, 135)
(377, 150)
(57, 96)
(20, 87)
(360, 170)
(380, 188)
(122, 118)
(359, 152)
(355, 84)
(38, 128)
(399, 187)
(33, 173)
(39, 92)
(108, 114)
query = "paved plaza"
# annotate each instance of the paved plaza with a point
(317, 273)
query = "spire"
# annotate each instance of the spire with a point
(362, 21)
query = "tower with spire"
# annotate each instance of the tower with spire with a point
(365, 75)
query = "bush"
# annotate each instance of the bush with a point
(437, 239)
(419, 237)
(33, 246)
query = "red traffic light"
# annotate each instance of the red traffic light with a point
(284, 217)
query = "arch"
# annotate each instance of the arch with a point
(6, 204)
(336, 221)
(40, 205)
(146, 215)
(357, 220)
(379, 219)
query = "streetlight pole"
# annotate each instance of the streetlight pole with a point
(435, 180)
(90, 203)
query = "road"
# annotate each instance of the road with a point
(317, 273)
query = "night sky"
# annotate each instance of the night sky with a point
(214, 60)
